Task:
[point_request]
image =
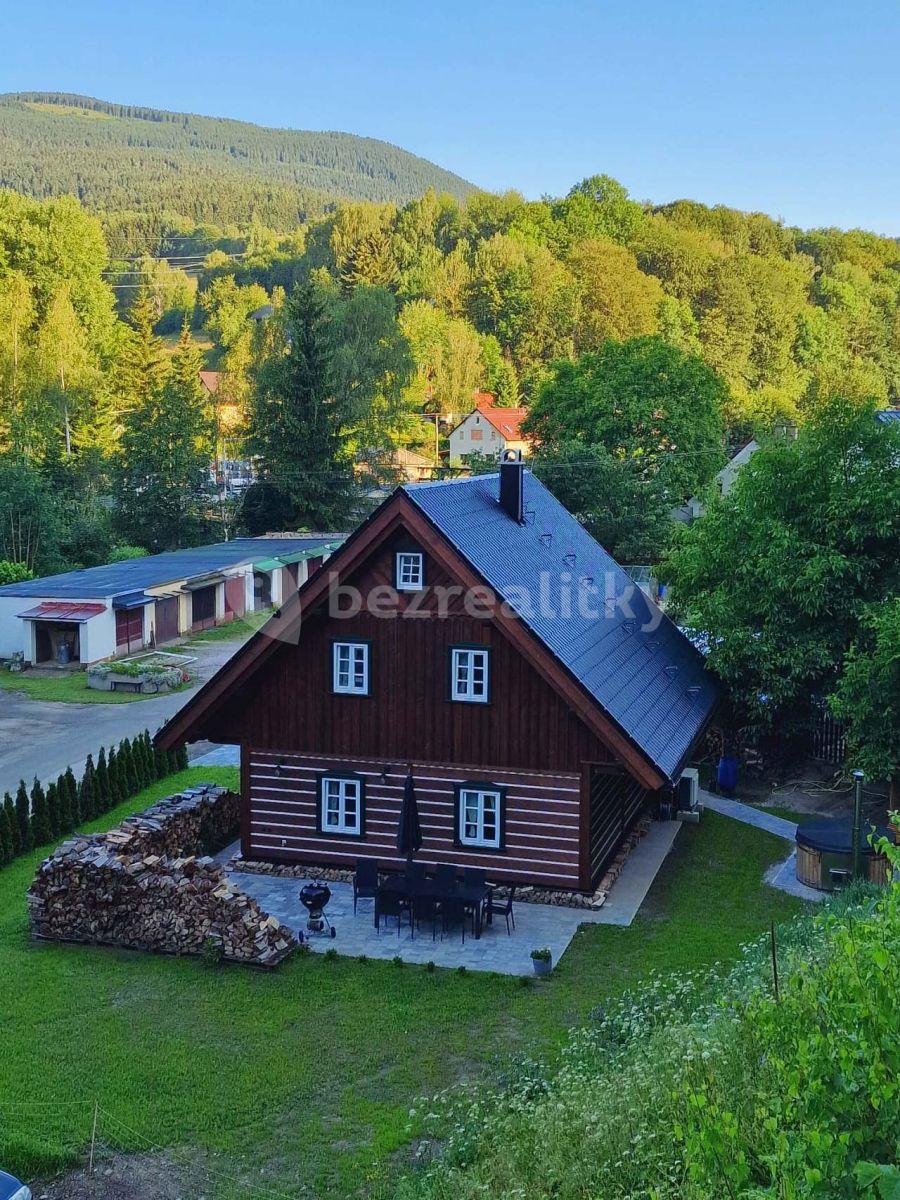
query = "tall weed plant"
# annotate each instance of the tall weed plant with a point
(703, 1086)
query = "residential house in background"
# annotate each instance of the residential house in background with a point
(724, 481)
(487, 430)
(97, 613)
(483, 641)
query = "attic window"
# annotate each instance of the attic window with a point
(409, 574)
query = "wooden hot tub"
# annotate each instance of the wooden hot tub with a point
(825, 854)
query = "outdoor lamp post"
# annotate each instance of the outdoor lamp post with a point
(858, 777)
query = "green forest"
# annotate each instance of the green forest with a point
(130, 159)
(647, 344)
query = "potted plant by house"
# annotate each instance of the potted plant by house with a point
(542, 961)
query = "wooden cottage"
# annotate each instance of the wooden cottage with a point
(473, 632)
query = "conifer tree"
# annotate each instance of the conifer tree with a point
(126, 768)
(102, 800)
(168, 442)
(15, 836)
(40, 826)
(116, 793)
(298, 423)
(53, 814)
(143, 749)
(182, 756)
(161, 762)
(23, 816)
(87, 799)
(66, 817)
(6, 849)
(72, 793)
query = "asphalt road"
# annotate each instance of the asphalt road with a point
(42, 739)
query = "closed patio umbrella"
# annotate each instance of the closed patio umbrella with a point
(409, 831)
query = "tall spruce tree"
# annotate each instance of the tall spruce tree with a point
(167, 446)
(126, 768)
(298, 420)
(40, 825)
(87, 797)
(182, 756)
(53, 814)
(6, 845)
(15, 834)
(72, 794)
(66, 817)
(23, 817)
(101, 783)
(116, 791)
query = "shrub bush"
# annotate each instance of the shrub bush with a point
(705, 1085)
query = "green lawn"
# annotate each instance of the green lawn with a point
(302, 1079)
(238, 630)
(67, 688)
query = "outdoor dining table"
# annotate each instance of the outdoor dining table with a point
(423, 888)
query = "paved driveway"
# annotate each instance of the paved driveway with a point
(42, 739)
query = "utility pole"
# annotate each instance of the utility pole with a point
(858, 778)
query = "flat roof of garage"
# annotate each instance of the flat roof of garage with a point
(134, 574)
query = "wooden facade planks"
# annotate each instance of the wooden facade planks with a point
(542, 829)
(289, 703)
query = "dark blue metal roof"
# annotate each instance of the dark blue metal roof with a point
(135, 574)
(626, 653)
(887, 416)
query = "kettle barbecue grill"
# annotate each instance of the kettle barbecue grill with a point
(314, 897)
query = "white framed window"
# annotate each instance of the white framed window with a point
(410, 572)
(341, 805)
(479, 816)
(351, 668)
(469, 674)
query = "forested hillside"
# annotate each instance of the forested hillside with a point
(116, 156)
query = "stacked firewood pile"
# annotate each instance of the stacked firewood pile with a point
(136, 887)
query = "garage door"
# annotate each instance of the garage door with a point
(129, 628)
(234, 596)
(203, 612)
(167, 619)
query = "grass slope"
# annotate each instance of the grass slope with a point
(70, 688)
(302, 1079)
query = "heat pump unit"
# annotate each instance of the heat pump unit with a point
(689, 790)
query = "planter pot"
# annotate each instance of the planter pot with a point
(542, 966)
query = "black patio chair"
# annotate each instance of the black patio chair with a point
(365, 880)
(392, 904)
(501, 908)
(426, 908)
(453, 912)
(446, 875)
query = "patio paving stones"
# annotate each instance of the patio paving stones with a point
(537, 925)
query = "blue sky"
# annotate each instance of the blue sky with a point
(790, 107)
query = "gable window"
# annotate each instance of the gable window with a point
(351, 668)
(479, 816)
(469, 671)
(476, 435)
(341, 805)
(410, 571)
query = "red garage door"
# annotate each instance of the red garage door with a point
(234, 596)
(129, 627)
(167, 619)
